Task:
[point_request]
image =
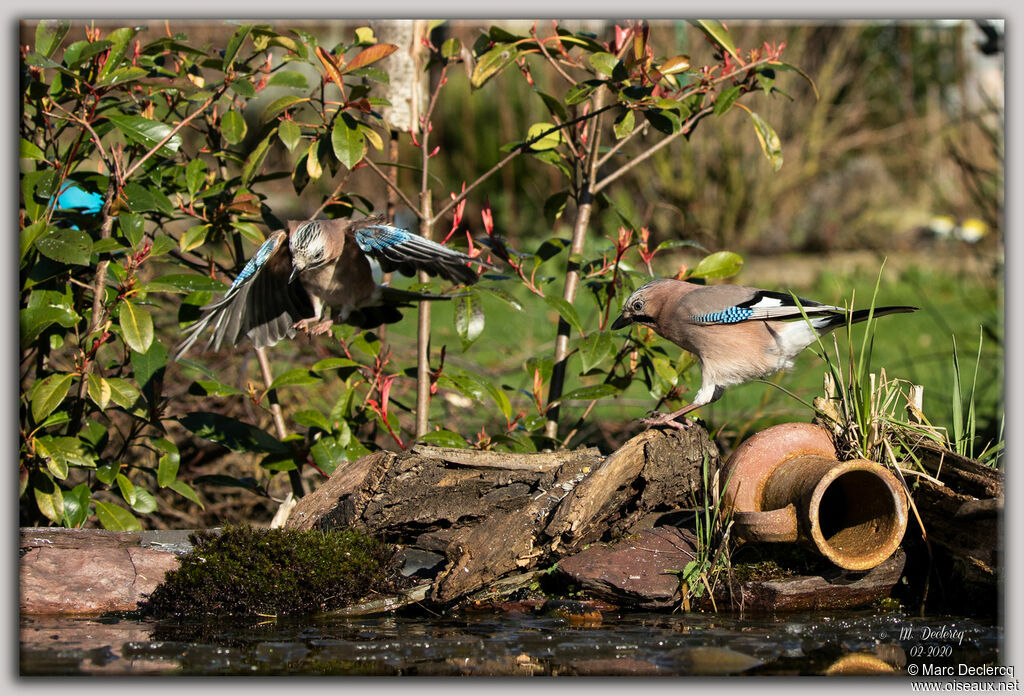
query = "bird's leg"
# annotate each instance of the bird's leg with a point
(669, 419)
(314, 325)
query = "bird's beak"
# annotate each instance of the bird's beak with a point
(295, 271)
(623, 320)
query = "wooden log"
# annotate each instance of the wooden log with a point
(961, 520)
(834, 589)
(493, 514)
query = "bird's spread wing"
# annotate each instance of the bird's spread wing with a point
(260, 302)
(733, 304)
(398, 250)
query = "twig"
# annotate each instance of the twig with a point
(393, 187)
(683, 130)
(295, 475)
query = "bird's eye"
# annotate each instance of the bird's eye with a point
(638, 305)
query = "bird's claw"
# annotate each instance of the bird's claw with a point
(665, 419)
(313, 327)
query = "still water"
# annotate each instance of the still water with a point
(511, 643)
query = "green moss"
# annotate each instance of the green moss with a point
(247, 571)
(763, 570)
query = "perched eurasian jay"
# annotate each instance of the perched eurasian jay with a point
(324, 267)
(739, 334)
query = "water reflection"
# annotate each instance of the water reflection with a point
(497, 644)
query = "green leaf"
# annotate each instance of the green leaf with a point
(119, 40)
(122, 392)
(143, 199)
(29, 235)
(595, 348)
(132, 226)
(492, 62)
(348, 141)
(136, 327)
(331, 450)
(148, 366)
(770, 144)
(299, 377)
(721, 264)
(280, 104)
(444, 438)
(186, 283)
(469, 319)
(49, 34)
(204, 387)
(107, 473)
(581, 92)
(717, 32)
(127, 488)
(99, 390)
(233, 434)
(502, 295)
(451, 48)
(725, 100)
(144, 503)
(33, 321)
(256, 157)
(167, 463)
(116, 518)
(233, 127)
(549, 141)
(29, 150)
(195, 175)
(675, 65)
(47, 394)
(194, 237)
(591, 393)
(66, 246)
(289, 78)
(554, 106)
(604, 62)
(625, 124)
(185, 490)
(76, 505)
(147, 133)
(290, 134)
(234, 45)
(333, 364)
(566, 310)
(364, 35)
(49, 497)
(312, 418)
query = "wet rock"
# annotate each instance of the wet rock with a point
(636, 571)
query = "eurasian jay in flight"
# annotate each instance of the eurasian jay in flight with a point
(322, 272)
(739, 334)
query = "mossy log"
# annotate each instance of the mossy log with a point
(491, 514)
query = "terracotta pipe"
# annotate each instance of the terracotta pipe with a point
(784, 484)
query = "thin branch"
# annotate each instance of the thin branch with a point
(551, 60)
(642, 128)
(523, 147)
(394, 187)
(174, 131)
(683, 130)
(334, 193)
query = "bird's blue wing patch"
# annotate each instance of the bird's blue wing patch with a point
(729, 315)
(379, 237)
(261, 256)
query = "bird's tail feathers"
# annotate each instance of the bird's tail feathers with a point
(832, 321)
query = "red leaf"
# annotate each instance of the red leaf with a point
(370, 55)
